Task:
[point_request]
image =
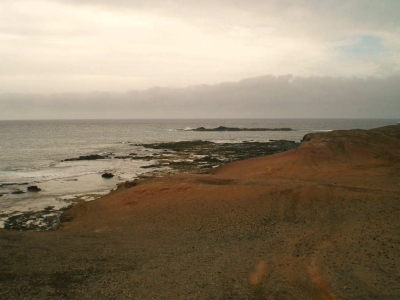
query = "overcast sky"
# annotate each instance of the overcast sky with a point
(259, 97)
(62, 49)
(58, 46)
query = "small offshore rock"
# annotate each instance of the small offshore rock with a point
(88, 157)
(33, 188)
(107, 175)
(17, 192)
(151, 166)
(224, 128)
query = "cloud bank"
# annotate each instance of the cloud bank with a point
(259, 97)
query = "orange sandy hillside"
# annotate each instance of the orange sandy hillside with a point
(331, 155)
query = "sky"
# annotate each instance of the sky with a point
(87, 46)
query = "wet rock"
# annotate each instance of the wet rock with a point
(224, 128)
(151, 166)
(147, 157)
(33, 221)
(17, 192)
(107, 175)
(88, 157)
(201, 156)
(129, 184)
(33, 188)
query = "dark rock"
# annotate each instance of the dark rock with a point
(224, 128)
(210, 155)
(107, 175)
(17, 192)
(33, 188)
(7, 184)
(88, 157)
(128, 184)
(147, 157)
(33, 221)
(122, 157)
(179, 146)
(150, 166)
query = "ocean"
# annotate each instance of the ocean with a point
(33, 152)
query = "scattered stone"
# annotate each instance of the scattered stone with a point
(107, 175)
(33, 188)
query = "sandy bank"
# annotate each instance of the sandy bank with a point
(316, 222)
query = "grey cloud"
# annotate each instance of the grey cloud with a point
(380, 13)
(260, 97)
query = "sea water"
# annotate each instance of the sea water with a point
(33, 152)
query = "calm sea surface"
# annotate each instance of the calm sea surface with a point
(31, 152)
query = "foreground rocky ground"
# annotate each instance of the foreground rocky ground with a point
(317, 222)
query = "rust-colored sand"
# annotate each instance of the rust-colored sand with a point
(317, 222)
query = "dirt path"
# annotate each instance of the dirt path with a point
(317, 222)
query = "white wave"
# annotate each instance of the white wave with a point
(227, 141)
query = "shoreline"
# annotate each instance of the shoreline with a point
(165, 158)
(316, 222)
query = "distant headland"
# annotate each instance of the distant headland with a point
(223, 128)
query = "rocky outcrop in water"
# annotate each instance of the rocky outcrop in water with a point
(223, 128)
(17, 192)
(33, 188)
(88, 157)
(107, 175)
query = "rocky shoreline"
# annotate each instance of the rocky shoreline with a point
(202, 156)
(182, 157)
